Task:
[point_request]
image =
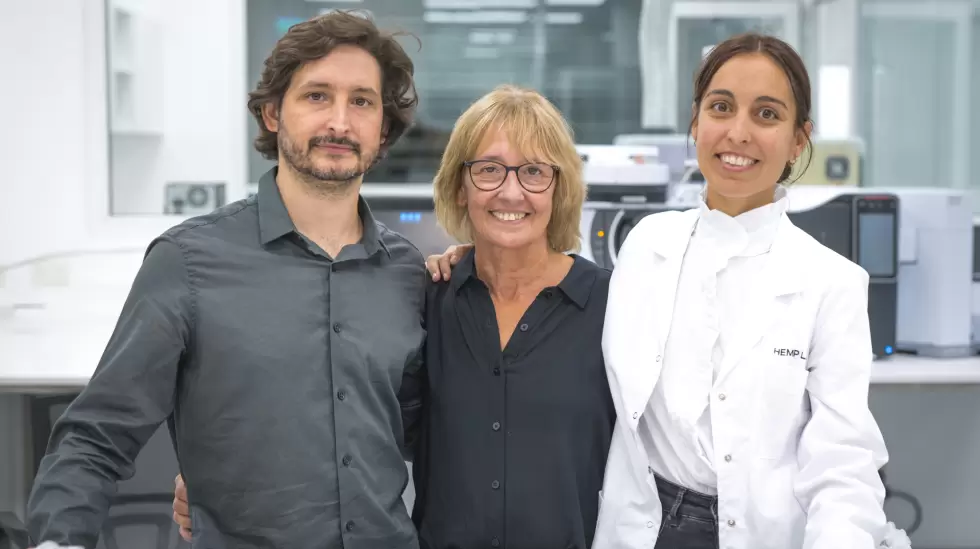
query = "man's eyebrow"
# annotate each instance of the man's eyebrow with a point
(329, 86)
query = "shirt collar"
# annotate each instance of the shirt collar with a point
(577, 284)
(274, 220)
(747, 234)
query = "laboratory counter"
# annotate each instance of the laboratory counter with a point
(63, 360)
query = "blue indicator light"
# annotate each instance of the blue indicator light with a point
(888, 349)
(410, 217)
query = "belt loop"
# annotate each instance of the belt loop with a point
(677, 502)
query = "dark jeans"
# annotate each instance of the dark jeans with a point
(690, 518)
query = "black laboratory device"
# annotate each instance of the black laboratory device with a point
(864, 228)
(860, 226)
(409, 210)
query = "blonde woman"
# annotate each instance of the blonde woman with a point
(517, 413)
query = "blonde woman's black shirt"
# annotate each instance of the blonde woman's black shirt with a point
(510, 445)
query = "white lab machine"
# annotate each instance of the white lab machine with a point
(638, 166)
(625, 183)
(935, 272)
(677, 151)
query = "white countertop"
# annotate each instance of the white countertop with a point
(63, 359)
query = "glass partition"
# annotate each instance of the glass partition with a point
(582, 54)
(178, 74)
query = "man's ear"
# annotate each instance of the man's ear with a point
(270, 116)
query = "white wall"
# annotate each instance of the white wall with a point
(196, 58)
(43, 138)
(55, 145)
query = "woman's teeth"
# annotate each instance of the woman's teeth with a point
(736, 160)
(509, 216)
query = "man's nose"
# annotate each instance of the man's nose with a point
(339, 119)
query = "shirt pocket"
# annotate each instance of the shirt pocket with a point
(782, 407)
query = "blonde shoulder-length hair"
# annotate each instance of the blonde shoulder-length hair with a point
(539, 131)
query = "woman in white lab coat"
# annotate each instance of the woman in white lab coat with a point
(737, 347)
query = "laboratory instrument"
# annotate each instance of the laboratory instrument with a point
(935, 312)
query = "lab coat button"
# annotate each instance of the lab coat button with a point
(728, 457)
(721, 396)
(649, 524)
(731, 522)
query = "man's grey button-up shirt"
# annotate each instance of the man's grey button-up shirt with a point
(278, 368)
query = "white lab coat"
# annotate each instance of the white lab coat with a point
(789, 405)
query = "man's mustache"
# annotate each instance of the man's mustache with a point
(342, 141)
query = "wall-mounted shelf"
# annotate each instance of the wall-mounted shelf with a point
(135, 65)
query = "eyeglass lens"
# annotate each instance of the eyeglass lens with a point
(488, 175)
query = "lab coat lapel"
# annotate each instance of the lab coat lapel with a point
(672, 249)
(638, 319)
(781, 278)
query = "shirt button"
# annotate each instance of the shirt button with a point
(349, 526)
(658, 358)
(495, 484)
(523, 327)
(336, 327)
(494, 542)
(635, 415)
(341, 395)
(728, 457)
(347, 460)
(731, 522)
(496, 425)
(496, 371)
(650, 470)
(649, 524)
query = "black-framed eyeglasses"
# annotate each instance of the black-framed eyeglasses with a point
(489, 175)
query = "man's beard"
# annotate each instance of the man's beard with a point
(330, 180)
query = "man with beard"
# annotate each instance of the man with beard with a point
(271, 334)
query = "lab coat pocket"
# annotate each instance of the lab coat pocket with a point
(782, 406)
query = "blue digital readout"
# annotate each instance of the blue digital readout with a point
(410, 217)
